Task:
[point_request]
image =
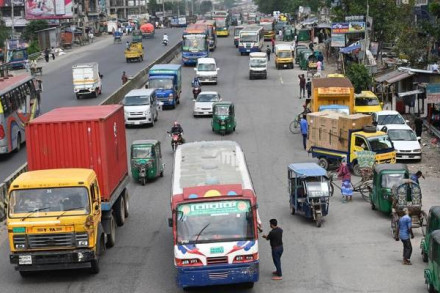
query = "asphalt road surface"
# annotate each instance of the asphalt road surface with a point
(352, 252)
(57, 78)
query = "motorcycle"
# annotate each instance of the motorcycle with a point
(196, 91)
(165, 42)
(176, 139)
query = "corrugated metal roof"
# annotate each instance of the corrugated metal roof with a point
(307, 169)
(393, 76)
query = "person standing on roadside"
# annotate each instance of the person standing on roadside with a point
(268, 53)
(124, 78)
(52, 51)
(309, 88)
(46, 55)
(302, 86)
(418, 125)
(273, 44)
(304, 129)
(405, 231)
(415, 177)
(275, 237)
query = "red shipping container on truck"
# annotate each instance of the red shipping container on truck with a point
(91, 137)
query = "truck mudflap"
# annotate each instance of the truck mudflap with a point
(52, 260)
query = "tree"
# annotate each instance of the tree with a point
(205, 6)
(359, 76)
(32, 27)
(4, 33)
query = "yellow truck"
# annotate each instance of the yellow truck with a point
(134, 52)
(332, 93)
(283, 56)
(366, 103)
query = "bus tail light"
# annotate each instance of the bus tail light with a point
(246, 258)
(188, 262)
(2, 132)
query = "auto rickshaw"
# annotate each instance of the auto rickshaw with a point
(304, 59)
(309, 191)
(312, 65)
(136, 36)
(298, 50)
(432, 272)
(289, 33)
(117, 37)
(223, 118)
(407, 194)
(146, 160)
(432, 224)
(134, 52)
(385, 176)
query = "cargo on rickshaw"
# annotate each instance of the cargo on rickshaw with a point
(385, 176)
(146, 160)
(223, 117)
(407, 194)
(117, 35)
(309, 191)
(432, 224)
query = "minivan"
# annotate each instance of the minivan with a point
(206, 70)
(140, 107)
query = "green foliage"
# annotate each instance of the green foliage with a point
(32, 27)
(288, 6)
(4, 33)
(33, 47)
(205, 6)
(413, 45)
(359, 76)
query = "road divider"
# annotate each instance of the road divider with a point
(115, 98)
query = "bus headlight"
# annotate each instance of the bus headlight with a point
(246, 258)
(188, 262)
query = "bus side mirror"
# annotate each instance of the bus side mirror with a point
(170, 222)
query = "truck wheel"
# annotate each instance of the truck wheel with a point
(111, 238)
(120, 211)
(94, 264)
(126, 203)
(323, 162)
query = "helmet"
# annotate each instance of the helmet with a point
(176, 123)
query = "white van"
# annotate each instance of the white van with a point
(206, 70)
(140, 107)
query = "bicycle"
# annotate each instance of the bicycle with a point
(294, 126)
(364, 186)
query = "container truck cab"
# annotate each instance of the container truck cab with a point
(167, 79)
(257, 65)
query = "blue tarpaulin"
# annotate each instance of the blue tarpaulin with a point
(349, 49)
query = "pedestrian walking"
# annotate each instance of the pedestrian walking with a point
(52, 51)
(321, 59)
(345, 175)
(418, 125)
(275, 237)
(268, 53)
(309, 89)
(302, 86)
(46, 54)
(405, 231)
(127, 45)
(304, 129)
(273, 44)
(124, 78)
(415, 177)
(319, 67)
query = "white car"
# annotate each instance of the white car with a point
(405, 142)
(206, 70)
(385, 118)
(203, 103)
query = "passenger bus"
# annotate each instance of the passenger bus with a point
(214, 216)
(194, 43)
(212, 37)
(251, 39)
(222, 26)
(237, 30)
(19, 104)
(268, 25)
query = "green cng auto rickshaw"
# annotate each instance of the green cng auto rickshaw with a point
(223, 117)
(309, 191)
(298, 50)
(432, 272)
(385, 176)
(304, 59)
(432, 224)
(136, 36)
(146, 160)
(289, 32)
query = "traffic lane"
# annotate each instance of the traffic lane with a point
(58, 86)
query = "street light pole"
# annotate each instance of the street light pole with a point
(366, 34)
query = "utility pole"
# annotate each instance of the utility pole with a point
(12, 20)
(366, 34)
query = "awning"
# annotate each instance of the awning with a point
(393, 76)
(350, 48)
(410, 93)
(433, 93)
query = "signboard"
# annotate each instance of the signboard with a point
(340, 28)
(48, 9)
(334, 91)
(214, 208)
(338, 40)
(7, 3)
(433, 93)
(355, 18)
(356, 27)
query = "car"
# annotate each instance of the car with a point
(141, 107)
(206, 70)
(405, 142)
(203, 103)
(385, 118)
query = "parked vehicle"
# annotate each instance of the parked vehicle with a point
(141, 107)
(304, 58)
(65, 209)
(86, 79)
(309, 191)
(167, 79)
(203, 103)
(405, 141)
(146, 160)
(385, 118)
(432, 272)
(366, 103)
(332, 91)
(207, 70)
(223, 118)
(298, 50)
(432, 224)
(135, 52)
(257, 65)
(283, 56)
(385, 176)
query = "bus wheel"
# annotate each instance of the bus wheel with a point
(18, 148)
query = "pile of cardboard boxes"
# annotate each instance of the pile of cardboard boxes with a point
(331, 130)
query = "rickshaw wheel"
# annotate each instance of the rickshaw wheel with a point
(323, 162)
(318, 221)
(394, 220)
(143, 181)
(292, 210)
(373, 207)
(431, 288)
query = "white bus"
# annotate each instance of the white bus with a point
(251, 39)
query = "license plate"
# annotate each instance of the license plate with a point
(25, 260)
(285, 65)
(137, 122)
(248, 50)
(405, 157)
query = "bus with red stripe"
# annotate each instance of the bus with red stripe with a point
(214, 216)
(19, 104)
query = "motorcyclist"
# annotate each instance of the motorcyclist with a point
(177, 128)
(165, 38)
(196, 82)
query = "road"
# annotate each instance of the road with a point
(57, 78)
(352, 252)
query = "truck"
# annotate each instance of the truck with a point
(86, 79)
(147, 30)
(134, 52)
(112, 26)
(333, 137)
(283, 56)
(167, 79)
(332, 91)
(257, 65)
(64, 210)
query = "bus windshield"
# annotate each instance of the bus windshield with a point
(194, 43)
(216, 221)
(248, 38)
